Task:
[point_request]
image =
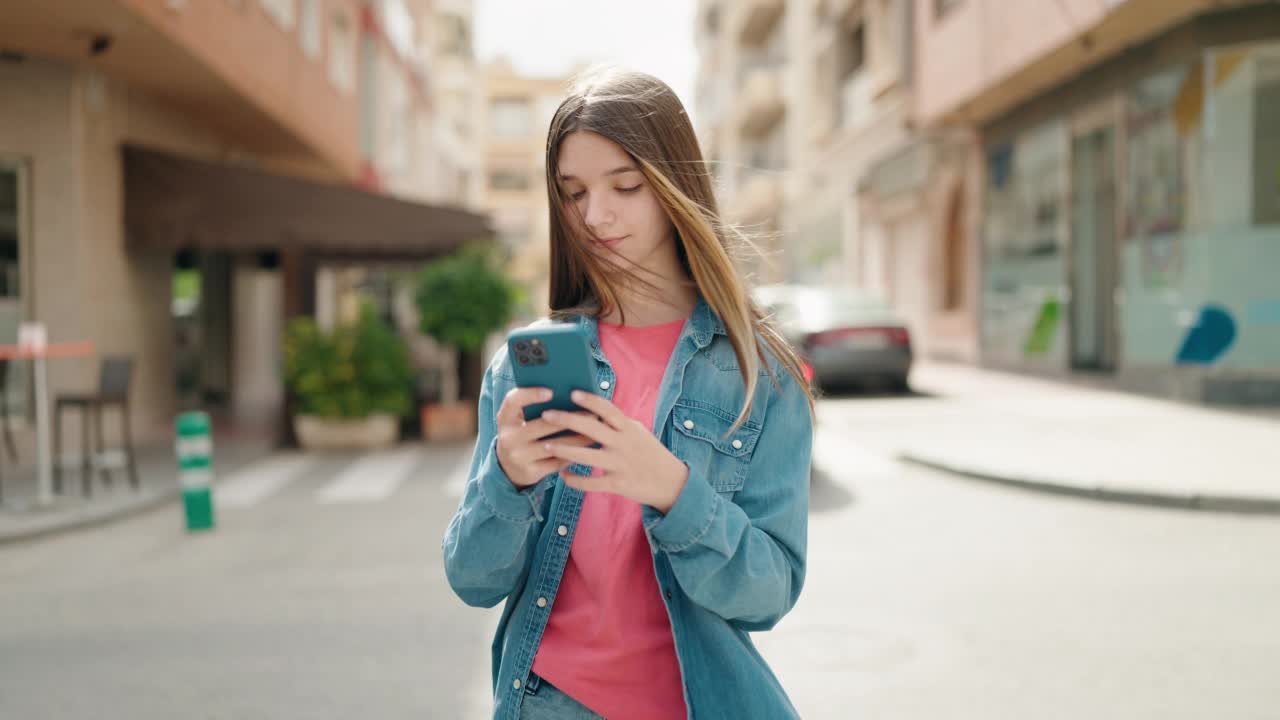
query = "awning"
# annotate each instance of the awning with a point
(173, 202)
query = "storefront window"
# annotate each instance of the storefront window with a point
(1242, 171)
(1202, 224)
(1023, 239)
(1164, 247)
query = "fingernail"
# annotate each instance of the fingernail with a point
(577, 395)
(546, 394)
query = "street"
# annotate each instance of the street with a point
(321, 595)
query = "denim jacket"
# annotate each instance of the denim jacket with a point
(729, 556)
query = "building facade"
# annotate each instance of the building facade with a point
(1130, 207)
(806, 113)
(173, 174)
(516, 114)
(1077, 188)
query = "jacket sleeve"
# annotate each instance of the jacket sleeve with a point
(490, 540)
(745, 559)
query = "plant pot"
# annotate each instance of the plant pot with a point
(448, 422)
(374, 432)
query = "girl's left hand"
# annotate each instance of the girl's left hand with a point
(635, 464)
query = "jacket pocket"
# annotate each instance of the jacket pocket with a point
(701, 437)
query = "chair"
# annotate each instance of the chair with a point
(113, 390)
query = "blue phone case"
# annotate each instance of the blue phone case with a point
(553, 356)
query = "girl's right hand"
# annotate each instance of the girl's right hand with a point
(521, 450)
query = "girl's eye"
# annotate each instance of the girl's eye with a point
(629, 190)
(578, 195)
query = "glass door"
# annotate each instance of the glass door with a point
(1093, 250)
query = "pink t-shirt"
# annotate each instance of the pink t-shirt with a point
(608, 642)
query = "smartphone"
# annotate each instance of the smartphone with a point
(555, 356)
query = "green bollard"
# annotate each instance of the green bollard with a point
(194, 449)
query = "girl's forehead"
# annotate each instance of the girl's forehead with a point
(585, 155)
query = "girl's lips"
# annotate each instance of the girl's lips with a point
(609, 242)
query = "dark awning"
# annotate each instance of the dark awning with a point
(174, 202)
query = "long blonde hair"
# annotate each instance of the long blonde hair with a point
(644, 116)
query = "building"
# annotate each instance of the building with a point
(743, 117)
(516, 115)
(1077, 188)
(176, 177)
(805, 110)
(1130, 203)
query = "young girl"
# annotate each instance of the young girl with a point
(636, 554)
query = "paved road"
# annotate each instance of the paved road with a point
(321, 596)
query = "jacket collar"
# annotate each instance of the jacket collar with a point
(703, 325)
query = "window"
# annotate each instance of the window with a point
(942, 7)
(310, 29)
(342, 53)
(953, 254)
(1158, 142)
(1266, 139)
(509, 118)
(509, 180)
(851, 52)
(10, 228)
(368, 96)
(454, 35)
(1024, 232)
(282, 11)
(712, 19)
(13, 219)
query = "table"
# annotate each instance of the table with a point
(38, 354)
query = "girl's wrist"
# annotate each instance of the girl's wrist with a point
(679, 479)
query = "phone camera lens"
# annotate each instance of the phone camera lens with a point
(521, 346)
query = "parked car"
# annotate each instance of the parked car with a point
(847, 336)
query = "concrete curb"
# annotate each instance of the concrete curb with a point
(1112, 493)
(60, 523)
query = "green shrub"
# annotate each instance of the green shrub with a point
(462, 298)
(354, 371)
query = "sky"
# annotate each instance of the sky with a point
(547, 37)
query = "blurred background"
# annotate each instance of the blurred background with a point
(1029, 248)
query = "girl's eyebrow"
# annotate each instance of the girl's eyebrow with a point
(615, 171)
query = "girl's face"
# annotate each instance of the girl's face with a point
(612, 209)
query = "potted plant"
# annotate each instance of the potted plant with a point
(352, 384)
(461, 300)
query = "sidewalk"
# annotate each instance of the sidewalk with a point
(1063, 438)
(22, 519)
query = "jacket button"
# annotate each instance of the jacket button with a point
(604, 384)
(542, 602)
(688, 424)
(516, 684)
(562, 531)
(668, 594)
(737, 444)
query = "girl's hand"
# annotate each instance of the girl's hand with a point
(634, 463)
(521, 454)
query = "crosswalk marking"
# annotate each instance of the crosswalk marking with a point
(839, 455)
(250, 485)
(371, 477)
(456, 482)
